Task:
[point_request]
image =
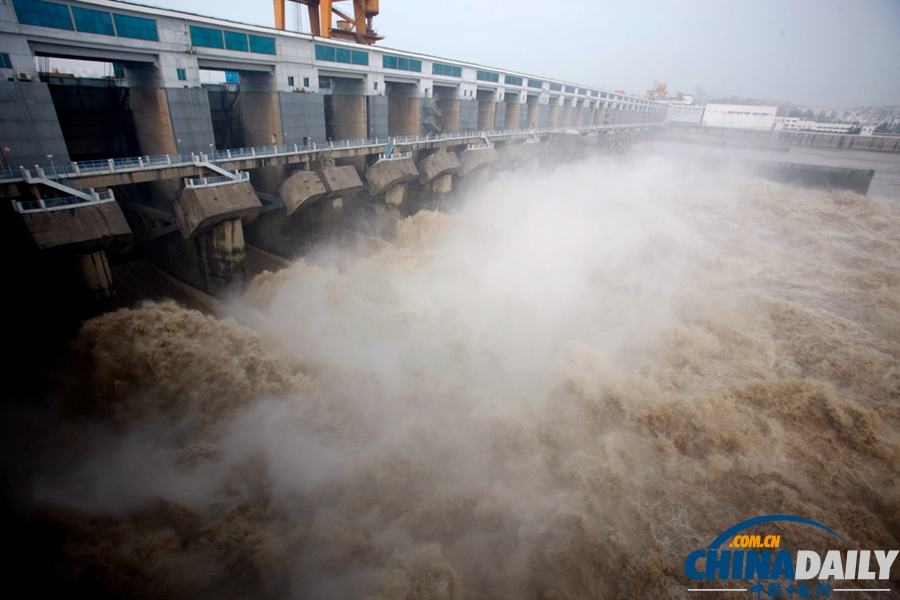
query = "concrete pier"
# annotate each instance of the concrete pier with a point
(437, 165)
(301, 188)
(385, 174)
(513, 109)
(96, 276)
(199, 209)
(471, 159)
(486, 110)
(80, 228)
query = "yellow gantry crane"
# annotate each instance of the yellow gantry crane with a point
(357, 28)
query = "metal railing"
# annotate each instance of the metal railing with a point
(203, 182)
(49, 204)
(395, 156)
(145, 163)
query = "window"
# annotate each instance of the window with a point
(92, 21)
(341, 55)
(570, 89)
(235, 41)
(555, 87)
(448, 70)
(206, 38)
(262, 45)
(290, 81)
(535, 83)
(4, 61)
(135, 27)
(487, 76)
(582, 91)
(401, 63)
(325, 53)
(306, 82)
(512, 80)
(232, 77)
(182, 75)
(45, 14)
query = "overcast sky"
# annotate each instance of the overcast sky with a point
(836, 53)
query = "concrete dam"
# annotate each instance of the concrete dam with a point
(364, 323)
(150, 162)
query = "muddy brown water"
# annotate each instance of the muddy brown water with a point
(558, 390)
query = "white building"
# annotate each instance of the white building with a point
(682, 114)
(739, 116)
(805, 125)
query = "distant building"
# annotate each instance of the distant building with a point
(805, 125)
(739, 116)
(684, 114)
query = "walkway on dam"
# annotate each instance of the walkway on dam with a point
(119, 171)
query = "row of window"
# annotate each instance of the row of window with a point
(401, 64)
(488, 76)
(342, 55)
(231, 40)
(448, 70)
(50, 14)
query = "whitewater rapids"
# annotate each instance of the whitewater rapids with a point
(558, 390)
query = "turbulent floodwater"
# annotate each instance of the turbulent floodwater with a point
(557, 391)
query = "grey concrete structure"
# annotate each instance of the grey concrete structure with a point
(284, 90)
(90, 228)
(437, 165)
(385, 174)
(191, 122)
(468, 115)
(377, 115)
(302, 117)
(473, 158)
(199, 209)
(29, 128)
(302, 187)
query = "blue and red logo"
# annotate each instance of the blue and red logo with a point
(736, 557)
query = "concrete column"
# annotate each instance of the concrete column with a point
(223, 256)
(568, 116)
(326, 218)
(346, 110)
(96, 275)
(449, 119)
(404, 116)
(395, 200)
(261, 123)
(513, 110)
(554, 115)
(345, 117)
(152, 122)
(534, 116)
(486, 111)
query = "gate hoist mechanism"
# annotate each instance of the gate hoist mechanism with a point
(357, 28)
